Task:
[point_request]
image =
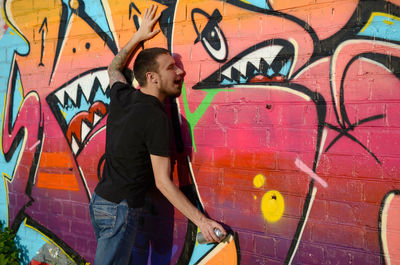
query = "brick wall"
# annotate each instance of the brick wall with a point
(287, 129)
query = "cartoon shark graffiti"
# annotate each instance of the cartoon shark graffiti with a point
(237, 53)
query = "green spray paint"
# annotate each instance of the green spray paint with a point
(193, 117)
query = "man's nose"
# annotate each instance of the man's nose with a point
(181, 72)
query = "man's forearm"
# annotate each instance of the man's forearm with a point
(176, 197)
(162, 168)
(120, 60)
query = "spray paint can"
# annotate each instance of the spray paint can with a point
(200, 238)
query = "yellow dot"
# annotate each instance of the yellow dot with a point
(272, 206)
(255, 197)
(259, 180)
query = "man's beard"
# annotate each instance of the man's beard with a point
(179, 89)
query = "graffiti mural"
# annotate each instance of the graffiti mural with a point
(287, 129)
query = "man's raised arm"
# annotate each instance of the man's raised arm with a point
(144, 32)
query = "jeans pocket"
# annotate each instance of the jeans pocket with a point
(105, 216)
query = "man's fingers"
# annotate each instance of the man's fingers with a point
(157, 17)
(150, 15)
(209, 228)
(150, 12)
(210, 236)
(154, 33)
(214, 237)
(146, 13)
(223, 232)
(153, 10)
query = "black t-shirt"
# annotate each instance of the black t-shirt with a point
(137, 126)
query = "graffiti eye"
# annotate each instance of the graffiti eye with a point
(215, 45)
(211, 36)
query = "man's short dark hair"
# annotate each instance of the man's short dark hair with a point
(146, 61)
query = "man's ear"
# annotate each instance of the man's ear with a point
(152, 77)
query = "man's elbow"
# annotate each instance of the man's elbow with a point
(110, 69)
(161, 185)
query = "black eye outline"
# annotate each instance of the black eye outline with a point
(212, 37)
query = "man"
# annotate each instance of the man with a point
(137, 149)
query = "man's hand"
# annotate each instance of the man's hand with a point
(144, 32)
(207, 227)
(149, 19)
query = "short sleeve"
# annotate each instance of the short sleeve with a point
(158, 135)
(120, 93)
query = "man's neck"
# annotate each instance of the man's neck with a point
(153, 92)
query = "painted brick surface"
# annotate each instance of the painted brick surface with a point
(287, 129)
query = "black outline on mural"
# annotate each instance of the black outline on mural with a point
(384, 59)
(43, 29)
(211, 26)
(396, 193)
(65, 247)
(64, 24)
(356, 22)
(21, 215)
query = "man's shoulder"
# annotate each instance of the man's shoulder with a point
(147, 101)
(121, 92)
(118, 85)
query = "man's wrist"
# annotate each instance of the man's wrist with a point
(201, 218)
(138, 37)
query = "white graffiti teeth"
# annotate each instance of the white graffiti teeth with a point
(82, 103)
(86, 128)
(74, 145)
(85, 84)
(266, 54)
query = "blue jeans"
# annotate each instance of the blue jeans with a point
(116, 227)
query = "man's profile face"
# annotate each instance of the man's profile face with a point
(171, 75)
